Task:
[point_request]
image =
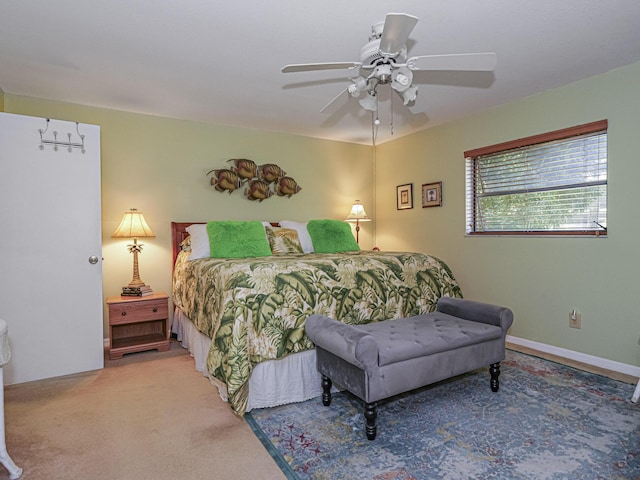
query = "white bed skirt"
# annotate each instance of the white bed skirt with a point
(276, 382)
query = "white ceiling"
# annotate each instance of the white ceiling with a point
(219, 62)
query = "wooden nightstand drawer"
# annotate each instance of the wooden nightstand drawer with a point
(141, 311)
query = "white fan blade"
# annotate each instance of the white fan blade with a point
(344, 94)
(308, 67)
(397, 28)
(455, 61)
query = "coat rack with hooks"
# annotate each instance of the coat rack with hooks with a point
(59, 143)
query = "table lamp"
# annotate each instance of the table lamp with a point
(357, 215)
(133, 225)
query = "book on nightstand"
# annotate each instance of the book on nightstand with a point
(136, 291)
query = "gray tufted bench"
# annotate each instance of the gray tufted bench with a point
(378, 360)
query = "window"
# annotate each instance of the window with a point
(549, 184)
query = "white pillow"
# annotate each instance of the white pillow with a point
(303, 234)
(199, 241)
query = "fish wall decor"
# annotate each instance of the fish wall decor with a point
(224, 180)
(262, 181)
(270, 172)
(246, 169)
(287, 186)
(258, 190)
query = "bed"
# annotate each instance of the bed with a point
(242, 319)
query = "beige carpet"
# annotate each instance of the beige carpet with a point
(147, 416)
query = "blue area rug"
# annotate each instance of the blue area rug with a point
(547, 421)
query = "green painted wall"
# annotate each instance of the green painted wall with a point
(541, 279)
(159, 166)
(1, 100)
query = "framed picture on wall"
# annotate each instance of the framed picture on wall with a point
(431, 194)
(404, 194)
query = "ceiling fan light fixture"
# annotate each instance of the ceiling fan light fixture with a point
(370, 102)
(401, 79)
(359, 85)
(409, 95)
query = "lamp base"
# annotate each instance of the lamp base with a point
(142, 291)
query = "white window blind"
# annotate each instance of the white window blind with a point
(554, 183)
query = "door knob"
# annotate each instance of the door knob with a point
(93, 259)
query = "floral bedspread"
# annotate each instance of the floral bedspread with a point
(255, 309)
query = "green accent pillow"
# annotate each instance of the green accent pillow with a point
(331, 236)
(236, 239)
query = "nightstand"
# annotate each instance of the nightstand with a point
(138, 323)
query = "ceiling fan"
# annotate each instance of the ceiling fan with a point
(383, 61)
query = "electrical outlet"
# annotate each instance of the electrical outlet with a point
(575, 319)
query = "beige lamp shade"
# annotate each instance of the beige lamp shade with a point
(133, 225)
(357, 213)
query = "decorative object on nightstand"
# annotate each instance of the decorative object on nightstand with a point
(133, 225)
(357, 215)
(137, 324)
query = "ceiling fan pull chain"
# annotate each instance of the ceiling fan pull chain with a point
(376, 122)
(374, 128)
(392, 113)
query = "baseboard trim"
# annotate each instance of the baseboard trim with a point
(583, 358)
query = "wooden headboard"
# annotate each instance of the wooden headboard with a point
(178, 234)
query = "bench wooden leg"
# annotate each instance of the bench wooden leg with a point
(326, 391)
(371, 414)
(494, 370)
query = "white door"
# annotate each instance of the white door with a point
(50, 221)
